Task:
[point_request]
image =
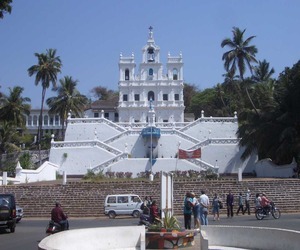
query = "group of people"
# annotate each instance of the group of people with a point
(199, 207)
(261, 200)
(196, 207)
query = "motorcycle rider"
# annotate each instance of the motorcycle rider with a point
(265, 202)
(58, 216)
(154, 212)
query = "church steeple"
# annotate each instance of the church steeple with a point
(151, 50)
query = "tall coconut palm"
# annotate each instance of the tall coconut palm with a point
(14, 106)
(68, 99)
(45, 71)
(262, 72)
(240, 56)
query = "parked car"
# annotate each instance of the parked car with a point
(122, 204)
(8, 215)
(19, 213)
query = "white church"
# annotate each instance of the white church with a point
(151, 129)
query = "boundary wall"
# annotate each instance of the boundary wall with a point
(250, 237)
(86, 199)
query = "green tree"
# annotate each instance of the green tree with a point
(8, 138)
(5, 7)
(189, 90)
(102, 93)
(240, 56)
(13, 107)
(45, 71)
(68, 99)
(204, 100)
(275, 133)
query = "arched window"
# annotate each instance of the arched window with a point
(126, 74)
(46, 120)
(35, 120)
(150, 95)
(175, 74)
(150, 72)
(30, 120)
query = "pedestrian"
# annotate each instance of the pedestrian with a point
(196, 211)
(216, 207)
(247, 202)
(204, 205)
(187, 210)
(241, 204)
(229, 204)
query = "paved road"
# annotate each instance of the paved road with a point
(30, 232)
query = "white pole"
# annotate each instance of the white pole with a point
(64, 177)
(4, 178)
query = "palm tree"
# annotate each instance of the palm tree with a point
(5, 7)
(262, 72)
(14, 106)
(68, 99)
(45, 71)
(240, 55)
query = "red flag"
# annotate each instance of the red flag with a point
(188, 154)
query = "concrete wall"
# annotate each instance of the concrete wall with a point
(252, 237)
(47, 171)
(266, 168)
(104, 238)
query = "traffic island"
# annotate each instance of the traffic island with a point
(174, 239)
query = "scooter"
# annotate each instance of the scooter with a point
(54, 227)
(145, 220)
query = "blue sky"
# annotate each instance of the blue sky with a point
(89, 36)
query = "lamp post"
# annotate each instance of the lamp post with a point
(151, 156)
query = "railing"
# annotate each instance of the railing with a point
(78, 144)
(107, 163)
(210, 119)
(96, 120)
(215, 141)
(203, 165)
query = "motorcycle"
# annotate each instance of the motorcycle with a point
(263, 212)
(54, 227)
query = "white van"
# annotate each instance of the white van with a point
(122, 204)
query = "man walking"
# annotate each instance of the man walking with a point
(247, 202)
(204, 205)
(229, 203)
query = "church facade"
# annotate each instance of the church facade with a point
(150, 82)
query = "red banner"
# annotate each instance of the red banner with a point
(188, 154)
